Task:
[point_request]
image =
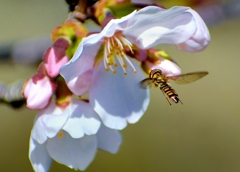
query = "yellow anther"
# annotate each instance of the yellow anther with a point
(114, 72)
(116, 65)
(107, 69)
(60, 134)
(135, 71)
(125, 73)
(124, 65)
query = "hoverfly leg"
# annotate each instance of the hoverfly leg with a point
(181, 101)
(169, 101)
(166, 97)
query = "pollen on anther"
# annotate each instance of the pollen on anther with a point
(114, 72)
(124, 65)
(125, 73)
(116, 65)
(60, 135)
(135, 71)
(107, 69)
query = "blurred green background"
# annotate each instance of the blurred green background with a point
(202, 135)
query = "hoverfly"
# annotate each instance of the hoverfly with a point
(157, 78)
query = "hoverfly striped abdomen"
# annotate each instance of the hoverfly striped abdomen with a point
(170, 92)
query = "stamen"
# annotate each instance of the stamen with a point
(127, 43)
(105, 59)
(112, 41)
(126, 58)
(109, 46)
(112, 68)
(120, 60)
(118, 43)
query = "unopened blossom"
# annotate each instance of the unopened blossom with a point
(70, 136)
(159, 59)
(38, 90)
(117, 98)
(55, 57)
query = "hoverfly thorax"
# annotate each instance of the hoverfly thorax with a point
(157, 76)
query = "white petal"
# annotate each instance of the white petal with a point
(117, 98)
(74, 153)
(83, 120)
(108, 139)
(78, 70)
(80, 84)
(151, 26)
(200, 39)
(48, 122)
(39, 157)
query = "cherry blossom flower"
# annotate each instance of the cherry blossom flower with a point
(117, 98)
(70, 136)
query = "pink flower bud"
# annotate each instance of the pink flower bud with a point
(38, 91)
(168, 67)
(55, 57)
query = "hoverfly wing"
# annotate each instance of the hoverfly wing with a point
(146, 83)
(188, 77)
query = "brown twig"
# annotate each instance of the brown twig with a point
(80, 12)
